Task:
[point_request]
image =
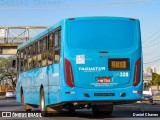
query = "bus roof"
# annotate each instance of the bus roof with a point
(76, 18)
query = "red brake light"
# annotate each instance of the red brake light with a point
(68, 73)
(132, 18)
(71, 18)
(137, 72)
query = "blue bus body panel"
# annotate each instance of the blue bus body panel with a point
(48, 77)
(85, 75)
(32, 81)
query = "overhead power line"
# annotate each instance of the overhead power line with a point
(152, 61)
(155, 50)
(148, 41)
(152, 58)
(153, 44)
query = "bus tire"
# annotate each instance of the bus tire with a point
(99, 110)
(25, 105)
(42, 103)
(26, 109)
(22, 98)
(71, 110)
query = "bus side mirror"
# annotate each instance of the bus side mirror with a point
(14, 63)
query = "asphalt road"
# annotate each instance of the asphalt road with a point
(121, 112)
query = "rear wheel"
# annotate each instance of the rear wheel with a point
(71, 109)
(102, 110)
(22, 98)
(42, 103)
(25, 105)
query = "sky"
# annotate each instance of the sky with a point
(48, 12)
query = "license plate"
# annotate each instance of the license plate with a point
(104, 80)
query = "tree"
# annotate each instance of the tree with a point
(7, 73)
(156, 78)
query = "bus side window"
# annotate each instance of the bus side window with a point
(36, 54)
(25, 59)
(30, 57)
(44, 51)
(18, 58)
(22, 60)
(57, 40)
(57, 55)
(33, 49)
(39, 55)
(59, 37)
(34, 59)
(50, 49)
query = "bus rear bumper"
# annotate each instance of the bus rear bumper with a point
(117, 94)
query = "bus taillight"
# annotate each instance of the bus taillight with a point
(132, 19)
(68, 73)
(71, 18)
(137, 72)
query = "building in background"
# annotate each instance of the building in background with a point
(154, 69)
(147, 74)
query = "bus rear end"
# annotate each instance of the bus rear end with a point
(102, 61)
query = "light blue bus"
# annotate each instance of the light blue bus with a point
(86, 62)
